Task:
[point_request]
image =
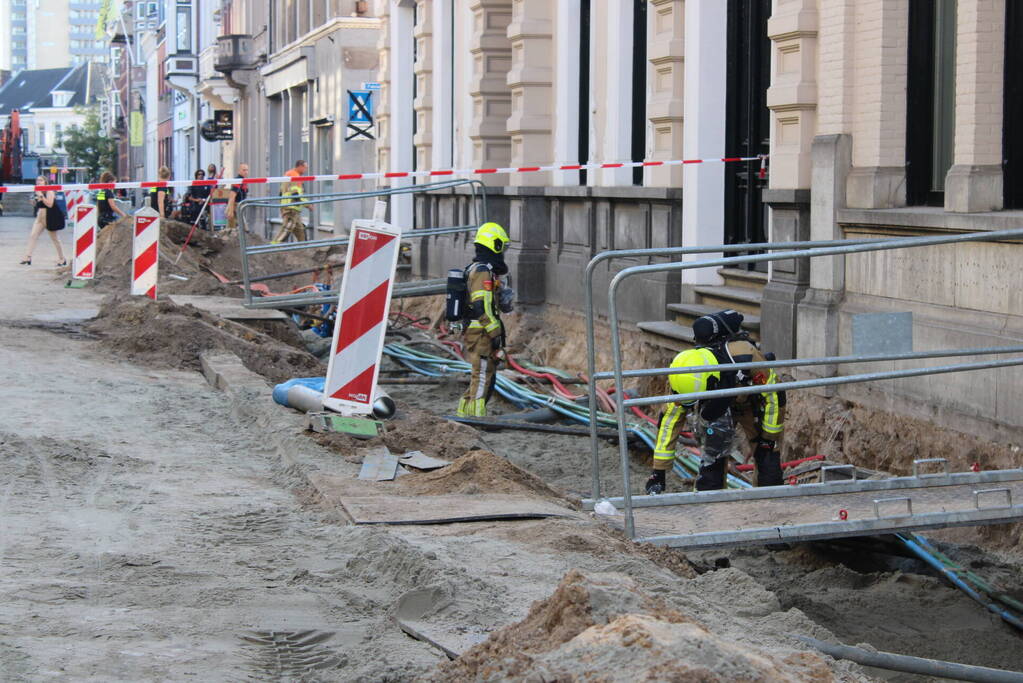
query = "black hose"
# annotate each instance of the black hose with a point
(913, 665)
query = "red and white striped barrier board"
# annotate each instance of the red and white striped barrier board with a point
(145, 252)
(362, 318)
(386, 175)
(73, 198)
(84, 216)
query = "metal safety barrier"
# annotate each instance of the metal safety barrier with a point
(817, 250)
(591, 350)
(478, 204)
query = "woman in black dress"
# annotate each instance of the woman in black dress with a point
(49, 217)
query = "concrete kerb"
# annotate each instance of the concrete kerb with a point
(281, 429)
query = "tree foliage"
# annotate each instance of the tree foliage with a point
(88, 146)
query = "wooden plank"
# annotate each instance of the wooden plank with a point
(382, 503)
(226, 307)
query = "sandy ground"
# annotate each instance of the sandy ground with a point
(152, 528)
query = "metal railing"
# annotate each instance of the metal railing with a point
(669, 251)
(827, 249)
(477, 203)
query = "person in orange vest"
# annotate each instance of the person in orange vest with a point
(292, 205)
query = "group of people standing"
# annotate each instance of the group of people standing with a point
(50, 208)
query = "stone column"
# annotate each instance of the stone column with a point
(614, 142)
(382, 115)
(423, 70)
(442, 79)
(665, 53)
(400, 110)
(566, 90)
(792, 99)
(703, 185)
(491, 98)
(530, 80)
(878, 117)
(974, 183)
(817, 320)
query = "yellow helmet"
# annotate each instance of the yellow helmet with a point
(690, 383)
(493, 237)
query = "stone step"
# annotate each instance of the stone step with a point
(668, 334)
(742, 299)
(685, 314)
(740, 277)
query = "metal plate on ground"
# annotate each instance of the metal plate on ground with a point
(226, 307)
(379, 503)
(421, 461)
(417, 612)
(770, 520)
(379, 467)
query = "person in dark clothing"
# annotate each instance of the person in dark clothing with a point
(106, 207)
(159, 198)
(48, 217)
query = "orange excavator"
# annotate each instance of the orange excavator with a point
(10, 149)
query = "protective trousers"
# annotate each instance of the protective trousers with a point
(716, 438)
(480, 354)
(292, 225)
(757, 418)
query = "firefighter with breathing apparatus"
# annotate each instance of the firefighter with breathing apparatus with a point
(721, 342)
(476, 296)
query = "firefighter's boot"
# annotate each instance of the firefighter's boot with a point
(768, 464)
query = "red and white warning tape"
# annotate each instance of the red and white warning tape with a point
(277, 180)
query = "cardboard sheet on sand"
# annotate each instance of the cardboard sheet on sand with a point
(372, 503)
(226, 307)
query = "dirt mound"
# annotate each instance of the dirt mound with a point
(478, 472)
(411, 429)
(206, 253)
(162, 333)
(603, 627)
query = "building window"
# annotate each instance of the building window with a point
(1012, 108)
(183, 19)
(639, 65)
(57, 132)
(41, 140)
(930, 100)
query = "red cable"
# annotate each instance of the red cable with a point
(785, 465)
(636, 411)
(559, 388)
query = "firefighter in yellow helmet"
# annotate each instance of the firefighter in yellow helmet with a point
(761, 416)
(486, 298)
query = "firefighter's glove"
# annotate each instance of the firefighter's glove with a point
(456, 327)
(506, 299)
(655, 485)
(497, 343)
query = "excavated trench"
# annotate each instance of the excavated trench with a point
(892, 603)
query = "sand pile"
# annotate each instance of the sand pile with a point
(411, 429)
(603, 627)
(478, 472)
(162, 333)
(205, 252)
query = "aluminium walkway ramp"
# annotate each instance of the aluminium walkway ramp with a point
(810, 512)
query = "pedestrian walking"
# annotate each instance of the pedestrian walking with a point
(106, 205)
(48, 217)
